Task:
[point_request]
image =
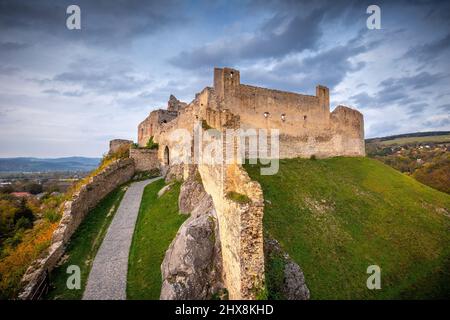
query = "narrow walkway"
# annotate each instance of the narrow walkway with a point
(108, 277)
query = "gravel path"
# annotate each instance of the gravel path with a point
(108, 277)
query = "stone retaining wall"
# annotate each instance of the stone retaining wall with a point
(144, 159)
(84, 200)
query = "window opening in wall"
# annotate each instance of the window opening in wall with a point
(304, 117)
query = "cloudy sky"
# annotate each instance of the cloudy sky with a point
(68, 92)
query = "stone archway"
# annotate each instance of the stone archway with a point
(166, 156)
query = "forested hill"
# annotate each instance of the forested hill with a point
(46, 165)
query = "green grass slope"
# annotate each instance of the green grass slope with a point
(158, 222)
(337, 216)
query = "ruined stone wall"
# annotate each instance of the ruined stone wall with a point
(305, 123)
(144, 159)
(74, 211)
(344, 138)
(151, 125)
(116, 144)
(257, 107)
(170, 135)
(240, 226)
(290, 112)
(349, 124)
(174, 104)
(145, 129)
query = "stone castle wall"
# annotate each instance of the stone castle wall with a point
(144, 159)
(74, 211)
(116, 144)
(305, 123)
(240, 226)
(150, 126)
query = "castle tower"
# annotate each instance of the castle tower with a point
(323, 93)
(226, 82)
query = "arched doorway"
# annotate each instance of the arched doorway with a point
(166, 156)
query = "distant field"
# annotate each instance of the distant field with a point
(406, 140)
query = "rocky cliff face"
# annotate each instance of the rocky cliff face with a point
(192, 266)
(192, 195)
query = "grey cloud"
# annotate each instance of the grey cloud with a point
(398, 91)
(430, 51)
(388, 96)
(438, 123)
(445, 107)
(51, 91)
(8, 70)
(100, 77)
(418, 81)
(383, 129)
(346, 11)
(361, 85)
(328, 67)
(362, 100)
(10, 46)
(103, 22)
(102, 82)
(76, 93)
(264, 43)
(417, 108)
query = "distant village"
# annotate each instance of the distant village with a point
(37, 184)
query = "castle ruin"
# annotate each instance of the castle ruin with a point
(306, 125)
(306, 128)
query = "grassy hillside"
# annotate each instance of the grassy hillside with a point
(337, 216)
(158, 222)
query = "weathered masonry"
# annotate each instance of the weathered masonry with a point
(306, 125)
(306, 128)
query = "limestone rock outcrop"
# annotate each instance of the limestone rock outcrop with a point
(173, 172)
(294, 285)
(192, 266)
(192, 194)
